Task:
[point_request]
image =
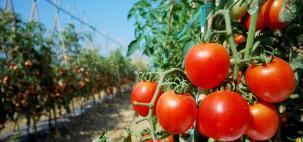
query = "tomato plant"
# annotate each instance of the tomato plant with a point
(206, 39)
(223, 116)
(273, 82)
(143, 92)
(265, 121)
(207, 65)
(41, 75)
(176, 113)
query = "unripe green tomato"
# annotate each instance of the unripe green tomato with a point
(238, 10)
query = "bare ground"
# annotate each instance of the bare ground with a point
(112, 115)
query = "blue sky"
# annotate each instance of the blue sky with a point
(108, 16)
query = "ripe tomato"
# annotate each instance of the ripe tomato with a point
(273, 82)
(270, 11)
(239, 39)
(238, 10)
(143, 92)
(176, 113)
(246, 21)
(223, 115)
(265, 121)
(207, 65)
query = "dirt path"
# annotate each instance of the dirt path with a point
(112, 115)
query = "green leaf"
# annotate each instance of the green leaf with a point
(186, 47)
(300, 38)
(297, 63)
(133, 46)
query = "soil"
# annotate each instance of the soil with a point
(112, 115)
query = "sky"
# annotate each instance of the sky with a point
(108, 16)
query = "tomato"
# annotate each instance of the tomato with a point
(170, 138)
(176, 113)
(270, 11)
(143, 92)
(265, 121)
(223, 115)
(238, 10)
(207, 65)
(239, 39)
(246, 22)
(273, 82)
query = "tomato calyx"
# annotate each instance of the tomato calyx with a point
(263, 58)
(146, 135)
(182, 88)
(148, 76)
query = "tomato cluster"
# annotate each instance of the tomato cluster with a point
(244, 75)
(222, 115)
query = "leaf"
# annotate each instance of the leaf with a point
(297, 63)
(186, 47)
(190, 23)
(300, 38)
(289, 11)
(133, 46)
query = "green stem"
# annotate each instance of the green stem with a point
(231, 40)
(251, 34)
(141, 104)
(143, 119)
(221, 5)
(251, 101)
(232, 44)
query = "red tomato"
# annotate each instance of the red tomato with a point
(176, 113)
(143, 92)
(240, 39)
(207, 65)
(273, 82)
(223, 115)
(246, 22)
(265, 121)
(270, 11)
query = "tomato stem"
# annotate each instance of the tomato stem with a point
(221, 4)
(143, 119)
(251, 34)
(230, 36)
(251, 101)
(141, 104)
